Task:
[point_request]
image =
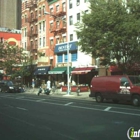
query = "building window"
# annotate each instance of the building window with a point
(32, 44)
(51, 26)
(25, 46)
(71, 20)
(43, 10)
(63, 7)
(43, 41)
(78, 17)
(40, 26)
(57, 25)
(64, 38)
(25, 32)
(26, 19)
(85, 0)
(64, 22)
(39, 11)
(40, 42)
(70, 4)
(36, 44)
(51, 11)
(51, 42)
(57, 40)
(86, 11)
(36, 14)
(43, 25)
(59, 58)
(74, 56)
(57, 8)
(78, 2)
(65, 57)
(71, 37)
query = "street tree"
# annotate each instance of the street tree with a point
(111, 31)
(14, 60)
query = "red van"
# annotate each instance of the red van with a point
(119, 87)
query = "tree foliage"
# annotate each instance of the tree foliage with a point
(13, 60)
(111, 30)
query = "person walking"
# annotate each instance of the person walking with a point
(33, 84)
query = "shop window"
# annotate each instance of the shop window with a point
(74, 56)
(59, 58)
(65, 58)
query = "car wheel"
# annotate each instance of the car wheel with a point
(99, 98)
(136, 100)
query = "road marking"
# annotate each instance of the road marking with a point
(21, 108)
(41, 100)
(68, 103)
(20, 97)
(107, 109)
(88, 108)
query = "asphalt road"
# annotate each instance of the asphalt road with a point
(31, 117)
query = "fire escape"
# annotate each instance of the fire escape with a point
(59, 23)
(32, 31)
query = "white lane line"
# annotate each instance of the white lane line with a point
(21, 108)
(68, 103)
(80, 107)
(40, 100)
(107, 109)
(20, 97)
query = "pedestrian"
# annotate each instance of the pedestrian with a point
(33, 83)
(48, 84)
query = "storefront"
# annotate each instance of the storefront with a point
(41, 74)
(81, 78)
(59, 74)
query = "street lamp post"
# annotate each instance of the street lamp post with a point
(68, 71)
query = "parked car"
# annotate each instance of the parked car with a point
(8, 86)
(116, 88)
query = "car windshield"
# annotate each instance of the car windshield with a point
(135, 80)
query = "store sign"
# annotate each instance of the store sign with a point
(64, 64)
(63, 47)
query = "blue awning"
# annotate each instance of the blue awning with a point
(42, 70)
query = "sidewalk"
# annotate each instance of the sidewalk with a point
(58, 93)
